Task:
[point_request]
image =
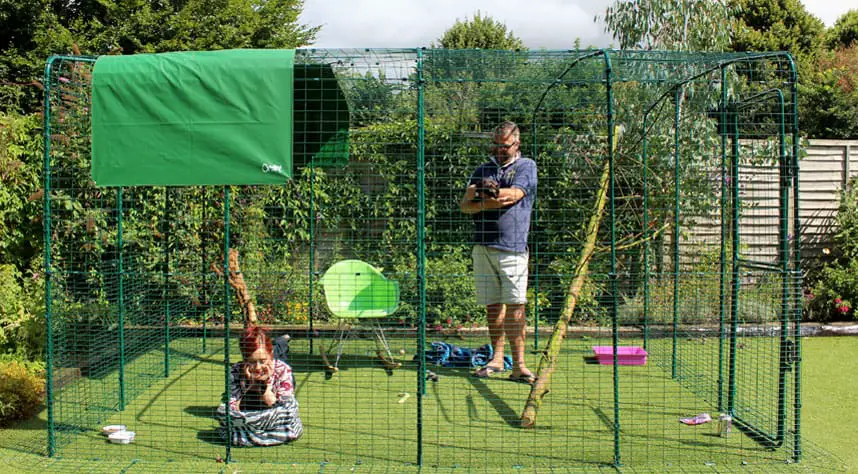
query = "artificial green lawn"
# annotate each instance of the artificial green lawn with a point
(830, 395)
(354, 419)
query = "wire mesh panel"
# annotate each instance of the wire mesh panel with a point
(619, 225)
(558, 102)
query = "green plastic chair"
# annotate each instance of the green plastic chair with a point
(354, 291)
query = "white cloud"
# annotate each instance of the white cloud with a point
(829, 10)
(550, 24)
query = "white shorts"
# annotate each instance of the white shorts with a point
(500, 276)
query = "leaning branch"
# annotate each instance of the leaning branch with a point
(236, 281)
(548, 361)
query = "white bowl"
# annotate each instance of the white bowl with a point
(112, 429)
(121, 437)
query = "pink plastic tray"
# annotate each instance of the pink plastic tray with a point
(626, 355)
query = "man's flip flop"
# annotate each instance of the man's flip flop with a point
(486, 371)
(529, 379)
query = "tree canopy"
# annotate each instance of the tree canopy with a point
(777, 25)
(844, 33)
(479, 32)
(34, 29)
(686, 25)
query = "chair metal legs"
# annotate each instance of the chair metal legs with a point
(343, 333)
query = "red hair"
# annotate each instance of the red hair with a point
(254, 338)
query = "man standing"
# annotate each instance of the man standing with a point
(500, 196)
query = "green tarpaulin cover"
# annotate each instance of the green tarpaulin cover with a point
(193, 118)
(321, 117)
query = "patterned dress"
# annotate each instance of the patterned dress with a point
(268, 426)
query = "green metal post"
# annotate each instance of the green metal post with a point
(166, 281)
(722, 283)
(421, 255)
(535, 245)
(226, 319)
(615, 329)
(796, 268)
(782, 268)
(121, 250)
(535, 221)
(734, 264)
(48, 273)
(312, 263)
(204, 296)
(645, 232)
(783, 251)
(673, 355)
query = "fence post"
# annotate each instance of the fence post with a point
(421, 255)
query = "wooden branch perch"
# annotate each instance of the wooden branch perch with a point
(548, 361)
(236, 281)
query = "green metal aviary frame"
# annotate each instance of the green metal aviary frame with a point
(696, 260)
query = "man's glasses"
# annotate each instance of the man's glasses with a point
(504, 146)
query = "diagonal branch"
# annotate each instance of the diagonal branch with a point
(236, 281)
(548, 361)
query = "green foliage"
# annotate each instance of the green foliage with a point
(826, 86)
(481, 32)
(452, 292)
(22, 388)
(777, 25)
(686, 25)
(35, 29)
(20, 199)
(834, 95)
(149, 27)
(834, 287)
(22, 327)
(462, 101)
(11, 305)
(31, 32)
(844, 33)
(369, 97)
(783, 25)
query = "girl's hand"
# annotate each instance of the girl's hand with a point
(268, 397)
(258, 372)
(264, 373)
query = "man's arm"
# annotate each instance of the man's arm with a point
(468, 205)
(506, 197)
(510, 196)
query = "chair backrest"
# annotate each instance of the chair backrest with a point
(356, 289)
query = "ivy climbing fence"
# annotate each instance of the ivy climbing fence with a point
(666, 207)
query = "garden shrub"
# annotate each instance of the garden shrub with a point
(22, 388)
(451, 302)
(22, 327)
(834, 286)
(21, 161)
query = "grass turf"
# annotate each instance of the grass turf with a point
(355, 419)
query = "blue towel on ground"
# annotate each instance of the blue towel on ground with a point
(451, 355)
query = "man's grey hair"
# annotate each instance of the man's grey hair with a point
(506, 128)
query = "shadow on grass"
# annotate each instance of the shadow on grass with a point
(211, 437)
(507, 414)
(603, 417)
(202, 411)
(34, 423)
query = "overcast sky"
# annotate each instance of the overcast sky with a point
(550, 24)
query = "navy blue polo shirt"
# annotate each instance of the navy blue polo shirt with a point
(506, 228)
